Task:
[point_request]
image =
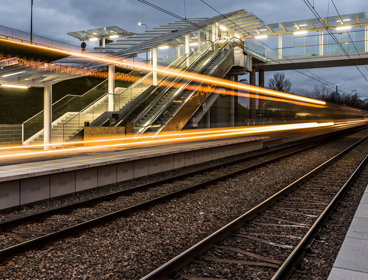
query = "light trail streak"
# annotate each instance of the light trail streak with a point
(174, 73)
(244, 131)
(130, 78)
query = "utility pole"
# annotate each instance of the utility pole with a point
(31, 33)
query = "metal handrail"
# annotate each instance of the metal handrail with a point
(56, 103)
(325, 53)
(7, 32)
(198, 52)
(183, 103)
(120, 94)
(156, 115)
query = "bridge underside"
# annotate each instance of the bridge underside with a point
(313, 62)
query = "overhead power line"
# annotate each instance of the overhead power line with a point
(168, 12)
(307, 74)
(351, 39)
(314, 11)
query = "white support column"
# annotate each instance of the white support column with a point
(279, 47)
(208, 32)
(154, 66)
(111, 87)
(103, 42)
(366, 38)
(232, 103)
(47, 115)
(187, 47)
(178, 51)
(208, 118)
(321, 43)
(213, 33)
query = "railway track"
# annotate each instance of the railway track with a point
(267, 241)
(36, 230)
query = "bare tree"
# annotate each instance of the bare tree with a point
(279, 82)
(320, 91)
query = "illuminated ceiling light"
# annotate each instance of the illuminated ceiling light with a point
(165, 47)
(237, 35)
(300, 32)
(113, 36)
(139, 23)
(304, 24)
(194, 44)
(343, 27)
(12, 74)
(345, 19)
(260, 37)
(223, 28)
(14, 86)
(93, 39)
(263, 29)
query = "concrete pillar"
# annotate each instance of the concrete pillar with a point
(252, 101)
(187, 48)
(261, 83)
(111, 87)
(208, 34)
(366, 38)
(213, 33)
(154, 66)
(47, 115)
(279, 47)
(207, 120)
(233, 102)
(321, 47)
(103, 42)
(178, 51)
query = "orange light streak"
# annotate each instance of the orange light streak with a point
(244, 131)
(175, 73)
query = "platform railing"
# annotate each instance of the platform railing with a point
(21, 36)
(355, 47)
(88, 114)
(153, 111)
(68, 103)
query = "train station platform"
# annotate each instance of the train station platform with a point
(29, 182)
(352, 260)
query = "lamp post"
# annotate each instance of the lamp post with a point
(31, 32)
(143, 24)
(140, 24)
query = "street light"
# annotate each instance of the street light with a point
(31, 32)
(141, 23)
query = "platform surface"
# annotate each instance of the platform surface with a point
(352, 260)
(51, 166)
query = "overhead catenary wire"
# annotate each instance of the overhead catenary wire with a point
(351, 39)
(168, 12)
(327, 28)
(307, 74)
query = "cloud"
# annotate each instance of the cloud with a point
(54, 18)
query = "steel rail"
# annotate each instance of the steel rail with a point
(77, 228)
(178, 262)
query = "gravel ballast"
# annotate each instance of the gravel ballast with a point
(128, 248)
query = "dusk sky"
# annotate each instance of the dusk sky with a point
(54, 18)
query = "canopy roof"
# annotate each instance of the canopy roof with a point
(283, 28)
(102, 32)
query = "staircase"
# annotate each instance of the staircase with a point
(172, 101)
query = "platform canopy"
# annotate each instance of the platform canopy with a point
(98, 33)
(130, 46)
(333, 22)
